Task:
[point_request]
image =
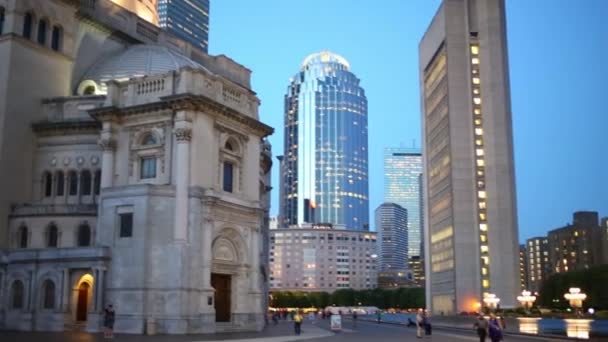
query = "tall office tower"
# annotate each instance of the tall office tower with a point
(145, 9)
(471, 217)
(402, 170)
(392, 229)
(324, 168)
(187, 19)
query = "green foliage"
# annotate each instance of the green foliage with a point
(593, 282)
(402, 298)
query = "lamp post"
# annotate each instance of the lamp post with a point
(576, 298)
(491, 300)
(526, 299)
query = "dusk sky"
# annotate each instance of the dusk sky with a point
(558, 54)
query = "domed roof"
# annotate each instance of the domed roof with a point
(136, 61)
(324, 57)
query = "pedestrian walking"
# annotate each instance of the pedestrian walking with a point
(108, 322)
(297, 321)
(494, 330)
(419, 323)
(482, 328)
(355, 318)
(428, 328)
(379, 316)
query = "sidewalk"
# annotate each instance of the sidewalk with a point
(282, 332)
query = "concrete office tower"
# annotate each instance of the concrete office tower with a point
(538, 262)
(187, 19)
(145, 9)
(324, 175)
(391, 226)
(402, 170)
(471, 229)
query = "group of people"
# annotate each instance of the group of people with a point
(423, 325)
(491, 328)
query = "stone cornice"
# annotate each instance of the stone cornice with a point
(66, 127)
(186, 101)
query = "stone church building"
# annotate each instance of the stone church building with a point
(134, 171)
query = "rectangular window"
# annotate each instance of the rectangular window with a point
(148, 168)
(126, 225)
(228, 177)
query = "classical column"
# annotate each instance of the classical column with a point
(108, 145)
(65, 290)
(255, 260)
(182, 180)
(206, 249)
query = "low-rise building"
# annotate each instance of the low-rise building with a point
(322, 257)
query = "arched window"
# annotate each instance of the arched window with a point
(97, 183)
(42, 32)
(48, 289)
(149, 139)
(52, 235)
(228, 146)
(228, 176)
(56, 38)
(48, 184)
(28, 21)
(59, 183)
(85, 182)
(84, 235)
(23, 237)
(73, 183)
(1, 19)
(17, 294)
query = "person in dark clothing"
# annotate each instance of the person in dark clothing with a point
(354, 318)
(494, 330)
(108, 322)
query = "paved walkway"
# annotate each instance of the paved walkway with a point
(283, 332)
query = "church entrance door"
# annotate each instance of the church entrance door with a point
(83, 296)
(222, 285)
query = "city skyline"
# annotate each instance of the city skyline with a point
(396, 100)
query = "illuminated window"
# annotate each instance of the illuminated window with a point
(483, 238)
(481, 194)
(477, 100)
(474, 49)
(477, 111)
(476, 91)
(484, 248)
(479, 152)
(482, 205)
(485, 283)
(480, 172)
(478, 131)
(484, 271)
(480, 162)
(475, 60)
(485, 260)
(477, 122)
(483, 227)
(478, 142)
(476, 80)
(482, 216)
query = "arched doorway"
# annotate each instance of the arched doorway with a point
(82, 302)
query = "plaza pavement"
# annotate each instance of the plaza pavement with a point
(283, 332)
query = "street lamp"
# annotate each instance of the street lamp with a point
(575, 297)
(526, 299)
(491, 300)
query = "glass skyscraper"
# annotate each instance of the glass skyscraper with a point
(391, 226)
(402, 170)
(324, 175)
(187, 19)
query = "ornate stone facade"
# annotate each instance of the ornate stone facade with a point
(147, 188)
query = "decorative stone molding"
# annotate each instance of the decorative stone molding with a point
(107, 144)
(183, 134)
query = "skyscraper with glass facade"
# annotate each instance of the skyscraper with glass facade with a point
(324, 168)
(471, 234)
(187, 19)
(402, 170)
(392, 229)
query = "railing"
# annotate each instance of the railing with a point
(149, 87)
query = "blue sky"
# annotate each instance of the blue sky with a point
(558, 53)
